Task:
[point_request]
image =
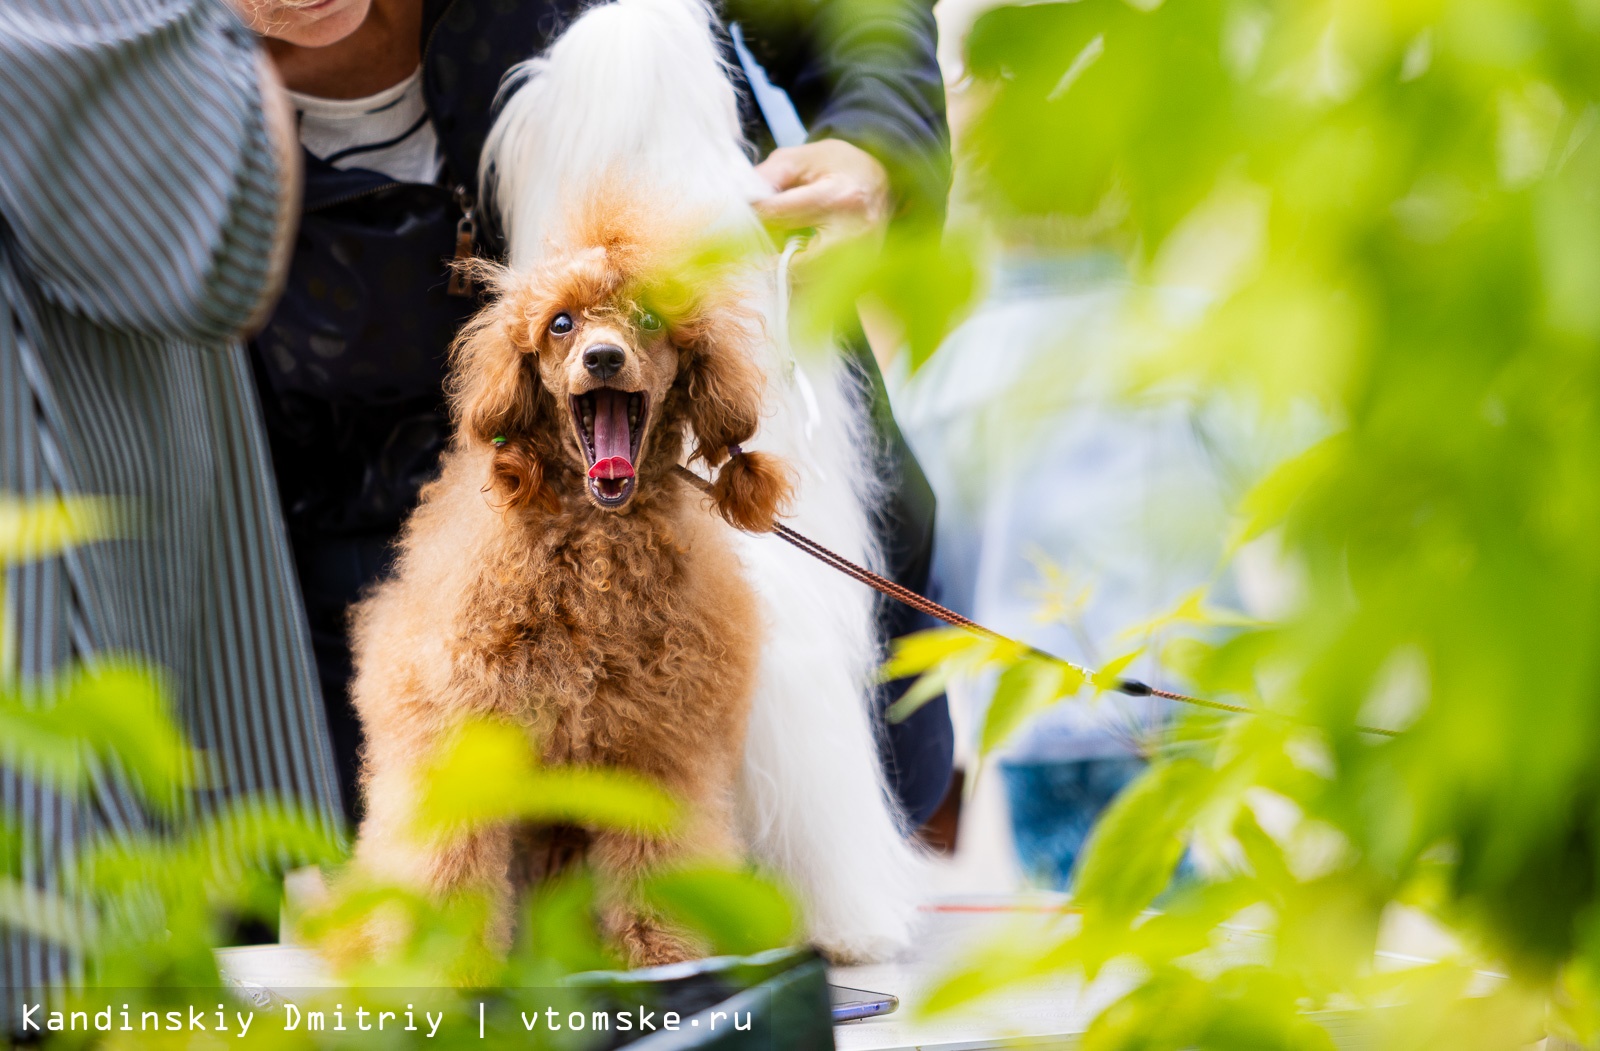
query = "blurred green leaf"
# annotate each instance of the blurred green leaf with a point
(426, 942)
(1191, 609)
(924, 281)
(119, 709)
(487, 772)
(1134, 849)
(937, 655)
(45, 915)
(917, 653)
(559, 935)
(1023, 690)
(1245, 1008)
(42, 528)
(1269, 502)
(928, 686)
(1020, 953)
(123, 710)
(1188, 921)
(1109, 675)
(737, 912)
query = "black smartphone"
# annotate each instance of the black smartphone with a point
(851, 1004)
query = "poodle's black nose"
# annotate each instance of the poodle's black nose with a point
(603, 361)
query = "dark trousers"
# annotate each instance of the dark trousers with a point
(334, 574)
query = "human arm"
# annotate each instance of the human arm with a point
(142, 184)
(862, 73)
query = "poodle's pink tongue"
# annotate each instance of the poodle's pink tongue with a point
(612, 467)
(613, 439)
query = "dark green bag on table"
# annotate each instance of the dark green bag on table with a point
(772, 1001)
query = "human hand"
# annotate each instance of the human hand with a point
(837, 189)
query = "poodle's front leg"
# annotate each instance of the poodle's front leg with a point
(621, 859)
(393, 849)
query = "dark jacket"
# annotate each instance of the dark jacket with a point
(352, 363)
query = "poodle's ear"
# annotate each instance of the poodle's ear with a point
(751, 490)
(494, 372)
(496, 396)
(724, 406)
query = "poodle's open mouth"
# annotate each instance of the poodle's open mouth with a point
(610, 424)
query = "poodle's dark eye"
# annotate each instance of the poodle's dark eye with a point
(561, 324)
(648, 321)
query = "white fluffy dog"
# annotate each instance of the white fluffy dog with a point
(637, 89)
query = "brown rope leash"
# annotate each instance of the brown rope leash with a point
(923, 604)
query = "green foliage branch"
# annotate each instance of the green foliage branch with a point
(1392, 207)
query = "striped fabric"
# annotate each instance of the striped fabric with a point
(138, 210)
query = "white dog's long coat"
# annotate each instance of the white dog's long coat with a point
(637, 88)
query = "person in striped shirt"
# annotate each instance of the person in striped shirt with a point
(147, 183)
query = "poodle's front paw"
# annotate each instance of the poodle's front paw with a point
(648, 944)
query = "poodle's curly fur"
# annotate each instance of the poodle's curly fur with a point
(618, 636)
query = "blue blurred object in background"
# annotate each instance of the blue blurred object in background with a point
(1054, 804)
